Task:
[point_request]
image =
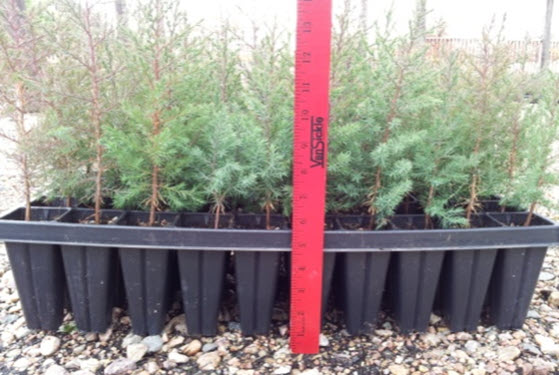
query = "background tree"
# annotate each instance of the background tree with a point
(546, 40)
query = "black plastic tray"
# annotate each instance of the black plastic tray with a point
(502, 260)
(542, 233)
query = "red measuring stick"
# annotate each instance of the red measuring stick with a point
(312, 79)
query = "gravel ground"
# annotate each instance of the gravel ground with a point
(532, 350)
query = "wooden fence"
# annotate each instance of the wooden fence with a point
(521, 50)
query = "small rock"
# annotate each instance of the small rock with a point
(251, 349)
(311, 371)
(181, 328)
(175, 341)
(73, 364)
(136, 352)
(90, 364)
(555, 330)
(398, 370)
(431, 339)
(532, 314)
(434, 319)
(177, 357)
(153, 343)
(82, 372)
(546, 276)
(553, 299)
(192, 347)
(547, 345)
(463, 336)
(91, 336)
(131, 339)
(208, 361)
(234, 326)
(383, 332)
(49, 345)
(179, 319)
(471, 346)
(56, 370)
(209, 347)
(323, 340)
(531, 349)
(152, 367)
(167, 365)
(283, 370)
(478, 371)
(527, 368)
(120, 366)
(283, 330)
(104, 337)
(22, 364)
(508, 353)
(21, 332)
(7, 338)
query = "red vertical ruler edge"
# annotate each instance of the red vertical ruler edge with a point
(312, 78)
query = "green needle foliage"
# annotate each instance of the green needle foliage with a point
(268, 98)
(536, 150)
(162, 115)
(486, 77)
(388, 125)
(440, 167)
(165, 114)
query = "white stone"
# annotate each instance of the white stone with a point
(311, 371)
(431, 339)
(177, 357)
(208, 361)
(282, 370)
(7, 338)
(49, 345)
(546, 276)
(553, 299)
(82, 372)
(90, 364)
(471, 346)
(323, 340)
(175, 341)
(56, 370)
(136, 352)
(508, 353)
(22, 364)
(547, 345)
(398, 370)
(153, 343)
(152, 367)
(120, 366)
(131, 339)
